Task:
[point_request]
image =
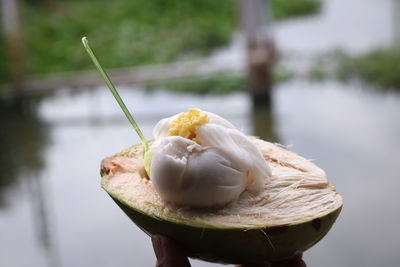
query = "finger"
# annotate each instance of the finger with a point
(168, 252)
(253, 265)
(296, 261)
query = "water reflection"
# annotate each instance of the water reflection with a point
(23, 141)
(43, 219)
(263, 121)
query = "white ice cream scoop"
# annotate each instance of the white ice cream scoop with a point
(214, 170)
(186, 173)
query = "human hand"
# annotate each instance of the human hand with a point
(170, 254)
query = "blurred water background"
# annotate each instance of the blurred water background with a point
(54, 213)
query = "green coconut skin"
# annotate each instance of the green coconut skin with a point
(235, 245)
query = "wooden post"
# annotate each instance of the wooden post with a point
(396, 21)
(255, 21)
(11, 30)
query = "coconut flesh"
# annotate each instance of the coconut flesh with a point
(298, 191)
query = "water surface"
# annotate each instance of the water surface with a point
(55, 212)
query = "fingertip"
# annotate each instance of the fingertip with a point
(295, 261)
(298, 256)
(157, 246)
(168, 252)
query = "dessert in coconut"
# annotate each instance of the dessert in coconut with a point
(221, 195)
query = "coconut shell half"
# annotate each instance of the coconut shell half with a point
(295, 209)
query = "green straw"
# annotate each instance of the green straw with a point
(115, 93)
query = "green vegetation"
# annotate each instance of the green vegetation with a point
(318, 72)
(129, 32)
(292, 8)
(381, 67)
(216, 84)
(124, 32)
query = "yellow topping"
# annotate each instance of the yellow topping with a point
(187, 122)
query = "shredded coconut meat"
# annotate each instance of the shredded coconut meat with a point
(298, 191)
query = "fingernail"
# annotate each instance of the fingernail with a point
(157, 246)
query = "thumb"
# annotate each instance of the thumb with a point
(168, 252)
